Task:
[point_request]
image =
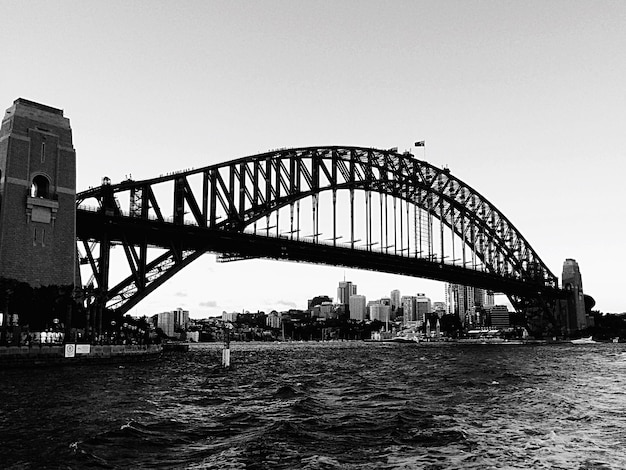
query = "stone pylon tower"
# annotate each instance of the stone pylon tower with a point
(37, 196)
(572, 282)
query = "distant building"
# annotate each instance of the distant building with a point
(409, 307)
(193, 336)
(325, 310)
(273, 319)
(462, 300)
(395, 299)
(170, 322)
(380, 312)
(318, 300)
(439, 308)
(230, 316)
(499, 316)
(422, 307)
(181, 318)
(344, 291)
(358, 310)
(489, 299)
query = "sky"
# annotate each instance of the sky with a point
(523, 101)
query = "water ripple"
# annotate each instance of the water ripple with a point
(326, 406)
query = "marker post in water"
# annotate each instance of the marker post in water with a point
(226, 351)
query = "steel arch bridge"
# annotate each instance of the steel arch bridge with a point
(351, 206)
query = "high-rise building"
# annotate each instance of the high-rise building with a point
(422, 307)
(380, 312)
(344, 291)
(164, 321)
(462, 300)
(409, 307)
(489, 299)
(395, 299)
(358, 309)
(572, 282)
(171, 322)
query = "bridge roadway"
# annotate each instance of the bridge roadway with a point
(135, 231)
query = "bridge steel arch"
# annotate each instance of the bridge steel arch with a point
(230, 207)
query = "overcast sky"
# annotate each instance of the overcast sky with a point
(523, 101)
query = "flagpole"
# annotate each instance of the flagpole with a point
(422, 143)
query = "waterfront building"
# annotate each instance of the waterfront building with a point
(171, 322)
(500, 317)
(164, 321)
(358, 309)
(273, 319)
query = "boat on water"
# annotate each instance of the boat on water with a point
(587, 340)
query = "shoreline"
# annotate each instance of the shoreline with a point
(75, 354)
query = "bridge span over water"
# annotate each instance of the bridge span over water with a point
(358, 207)
(345, 206)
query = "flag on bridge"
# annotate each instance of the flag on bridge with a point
(421, 143)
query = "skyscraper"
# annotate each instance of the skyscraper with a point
(423, 307)
(462, 300)
(395, 299)
(344, 291)
(409, 308)
(357, 307)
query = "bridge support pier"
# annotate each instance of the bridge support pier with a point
(37, 196)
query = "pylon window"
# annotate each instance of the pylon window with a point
(40, 187)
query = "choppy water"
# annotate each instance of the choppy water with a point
(325, 406)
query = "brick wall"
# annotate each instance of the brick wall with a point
(37, 234)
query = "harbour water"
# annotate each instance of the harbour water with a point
(338, 405)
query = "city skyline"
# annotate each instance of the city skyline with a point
(522, 101)
(356, 293)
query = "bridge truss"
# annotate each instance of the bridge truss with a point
(351, 206)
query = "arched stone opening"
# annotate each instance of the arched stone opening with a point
(40, 187)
